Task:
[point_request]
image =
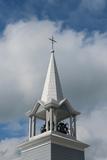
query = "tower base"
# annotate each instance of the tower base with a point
(52, 146)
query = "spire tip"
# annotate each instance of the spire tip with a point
(52, 41)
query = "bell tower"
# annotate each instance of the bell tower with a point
(57, 137)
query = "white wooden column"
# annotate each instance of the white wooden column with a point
(33, 126)
(30, 127)
(47, 120)
(51, 119)
(55, 120)
(74, 126)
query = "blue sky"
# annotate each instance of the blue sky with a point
(77, 14)
(80, 28)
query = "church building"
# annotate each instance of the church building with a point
(52, 123)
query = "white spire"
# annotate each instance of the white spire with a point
(52, 87)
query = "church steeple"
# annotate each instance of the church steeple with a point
(52, 87)
(53, 108)
(55, 118)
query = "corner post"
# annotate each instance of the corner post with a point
(74, 119)
(47, 120)
(30, 127)
(55, 120)
(33, 125)
(51, 119)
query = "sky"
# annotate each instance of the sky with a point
(80, 29)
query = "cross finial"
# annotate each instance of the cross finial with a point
(53, 41)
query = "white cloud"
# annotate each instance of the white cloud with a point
(82, 61)
(8, 149)
(24, 55)
(94, 122)
(91, 129)
(21, 48)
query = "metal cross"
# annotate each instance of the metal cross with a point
(53, 41)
